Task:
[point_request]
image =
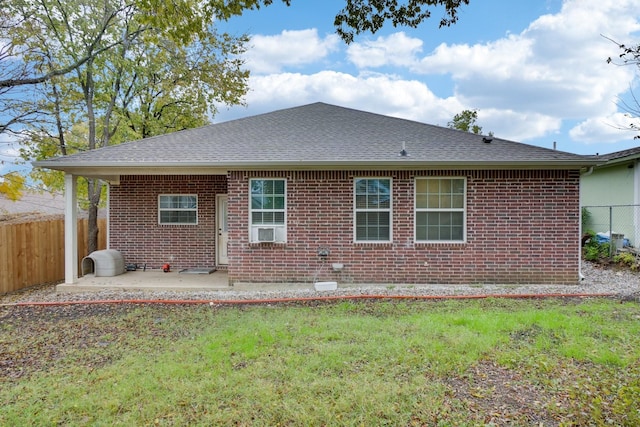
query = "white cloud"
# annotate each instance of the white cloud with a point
(269, 54)
(556, 68)
(379, 93)
(516, 125)
(611, 129)
(396, 49)
(527, 85)
(563, 53)
(500, 59)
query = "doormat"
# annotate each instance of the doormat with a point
(199, 270)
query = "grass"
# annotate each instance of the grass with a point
(569, 362)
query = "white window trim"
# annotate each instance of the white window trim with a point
(280, 229)
(390, 210)
(177, 209)
(416, 210)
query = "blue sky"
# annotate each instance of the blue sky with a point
(534, 70)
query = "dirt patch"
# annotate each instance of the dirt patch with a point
(36, 338)
(501, 396)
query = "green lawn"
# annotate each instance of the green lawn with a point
(516, 362)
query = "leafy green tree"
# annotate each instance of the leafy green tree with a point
(147, 82)
(466, 121)
(360, 16)
(357, 17)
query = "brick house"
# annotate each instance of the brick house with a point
(274, 197)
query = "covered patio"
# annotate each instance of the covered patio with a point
(157, 280)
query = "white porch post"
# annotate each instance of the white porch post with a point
(108, 214)
(70, 229)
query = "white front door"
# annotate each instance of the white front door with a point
(221, 220)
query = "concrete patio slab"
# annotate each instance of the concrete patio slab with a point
(157, 280)
(150, 280)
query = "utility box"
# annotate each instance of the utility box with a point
(104, 263)
(325, 286)
(617, 240)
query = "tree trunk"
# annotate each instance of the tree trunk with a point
(94, 191)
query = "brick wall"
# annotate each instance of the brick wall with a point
(134, 228)
(522, 227)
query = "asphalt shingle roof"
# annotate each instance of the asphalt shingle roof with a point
(316, 134)
(631, 152)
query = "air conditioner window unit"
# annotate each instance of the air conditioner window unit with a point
(266, 234)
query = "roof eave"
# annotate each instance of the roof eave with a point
(620, 160)
(111, 170)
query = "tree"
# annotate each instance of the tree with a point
(371, 15)
(466, 121)
(23, 63)
(357, 17)
(148, 82)
(11, 185)
(630, 56)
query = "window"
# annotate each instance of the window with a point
(440, 209)
(372, 210)
(268, 210)
(177, 209)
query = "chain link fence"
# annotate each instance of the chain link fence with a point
(615, 224)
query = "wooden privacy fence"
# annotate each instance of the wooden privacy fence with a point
(32, 253)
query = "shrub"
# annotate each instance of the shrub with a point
(626, 259)
(594, 251)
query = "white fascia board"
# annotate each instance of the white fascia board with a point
(109, 170)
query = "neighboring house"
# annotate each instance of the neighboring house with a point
(31, 207)
(277, 196)
(36, 206)
(614, 182)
